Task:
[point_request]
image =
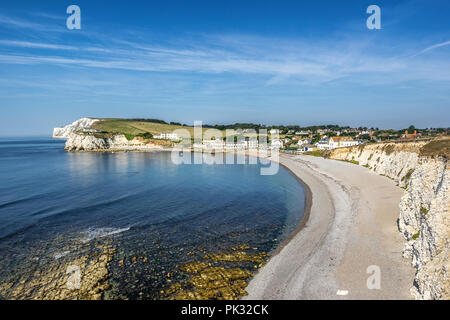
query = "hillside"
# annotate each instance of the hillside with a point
(135, 127)
(140, 126)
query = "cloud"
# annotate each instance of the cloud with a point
(430, 48)
(27, 44)
(17, 23)
(442, 44)
(279, 60)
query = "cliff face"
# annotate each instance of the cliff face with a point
(424, 209)
(82, 142)
(66, 131)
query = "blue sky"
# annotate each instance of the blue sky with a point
(272, 62)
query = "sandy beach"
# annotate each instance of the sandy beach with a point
(352, 225)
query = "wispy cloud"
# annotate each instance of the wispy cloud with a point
(318, 63)
(18, 23)
(279, 60)
(28, 44)
(439, 45)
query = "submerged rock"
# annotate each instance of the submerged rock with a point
(211, 281)
(83, 278)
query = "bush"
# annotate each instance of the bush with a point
(145, 135)
(389, 149)
(408, 175)
(129, 137)
(424, 211)
(317, 153)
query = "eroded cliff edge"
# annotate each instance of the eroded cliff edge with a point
(81, 136)
(420, 167)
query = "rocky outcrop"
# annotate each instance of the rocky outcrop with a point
(424, 209)
(425, 223)
(394, 160)
(89, 142)
(65, 132)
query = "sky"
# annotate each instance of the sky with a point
(270, 62)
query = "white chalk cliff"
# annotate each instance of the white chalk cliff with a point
(424, 215)
(79, 140)
(88, 142)
(64, 132)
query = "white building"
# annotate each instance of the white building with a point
(323, 144)
(336, 142)
(276, 144)
(303, 142)
(219, 144)
(251, 144)
(167, 136)
(213, 144)
(274, 131)
(339, 142)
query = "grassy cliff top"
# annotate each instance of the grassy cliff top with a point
(431, 147)
(439, 147)
(141, 126)
(136, 126)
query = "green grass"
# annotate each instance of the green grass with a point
(147, 129)
(388, 149)
(132, 127)
(407, 176)
(424, 211)
(361, 149)
(317, 153)
(146, 135)
(415, 236)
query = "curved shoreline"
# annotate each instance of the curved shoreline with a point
(346, 231)
(306, 213)
(349, 224)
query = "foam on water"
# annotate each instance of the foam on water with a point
(61, 254)
(94, 233)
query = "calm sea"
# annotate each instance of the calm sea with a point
(140, 203)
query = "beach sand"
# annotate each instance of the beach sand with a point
(352, 225)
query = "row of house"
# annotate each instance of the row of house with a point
(302, 143)
(336, 142)
(168, 136)
(219, 144)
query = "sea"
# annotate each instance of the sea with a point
(157, 215)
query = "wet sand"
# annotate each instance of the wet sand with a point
(352, 225)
